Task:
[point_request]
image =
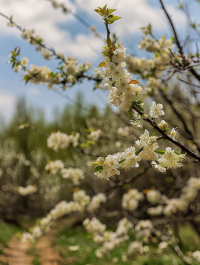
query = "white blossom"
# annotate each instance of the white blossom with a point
(156, 110)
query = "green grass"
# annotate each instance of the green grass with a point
(86, 253)
(7, 231)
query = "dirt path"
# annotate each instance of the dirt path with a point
(16, 253)
(48, 255)
(23, 254)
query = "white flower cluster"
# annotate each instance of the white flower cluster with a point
(53, 167)
(81, 198)
(159, 62)
(152, 45)
(94, 135)
(60, 140)
(153, 196)
(94, 226)
(144, 229)
(75, 174)
(125, 131)
(135, 246)
(79, 204)
(42, 75)
(156, 110)
(138, 65)
(17, 68)
(163, 125)
(27, 237)
(162, 245)
(96, 202)
(24, 61)
(137, 120)
(153, 84)
(46, 54)
(174, 133)
(37, 231)
(170, 159)
(148, 145)
(189, 193)
(30, 36)
(108, 239)
(131, 198)
(117, 80)
(111, 163)
(196, 255)
(30, 189)
(155, 211)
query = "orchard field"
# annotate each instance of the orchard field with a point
(100, 151)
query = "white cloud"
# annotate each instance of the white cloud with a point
(40, 15)
(135, 14)
(7, 104)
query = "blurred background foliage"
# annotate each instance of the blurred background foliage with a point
(24, 154)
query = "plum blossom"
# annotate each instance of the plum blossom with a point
(156, 110)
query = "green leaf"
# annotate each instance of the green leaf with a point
(164, 88)
(104, 8)
(99, 12)
(130, 112)
(121, 161)
(53, 74)
(104, 157)
(109, 42)
(109, 11)
(139, 107)
(149, 27)
(115, 18)
(99, 168)
(18, 53)
(138, 151)
(173, 38)
(105, 53)
(160, 152)
(139, 102)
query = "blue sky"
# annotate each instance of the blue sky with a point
(67, 35)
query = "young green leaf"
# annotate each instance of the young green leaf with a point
(104, 8)
(109, 11)
(130, 112)
(105, 53)
(161, 152)
(99, 168)
(109, 42)
(115, 18)
(139, 107)
(104, 157)
(138, 151)
(99, 12)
